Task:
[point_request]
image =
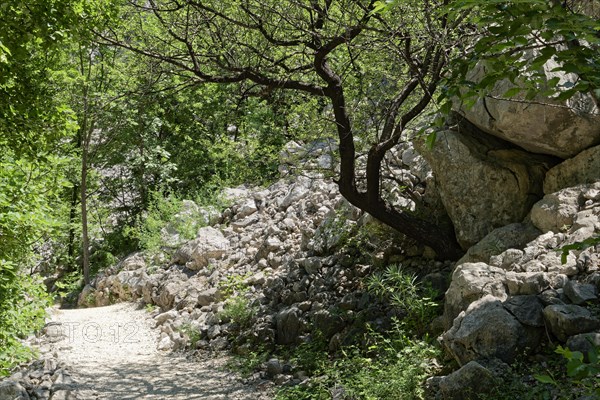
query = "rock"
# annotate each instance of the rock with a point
(87, 297)
(467, 383)
(527, 309)
(168, 292)
(165, 343)
(487, 330)
(128, 285)
(584, 168)
(12, 390)
(532, 282)
(327, 323)
(196, 254)
(484, 184)
(299, 190)
(580, 293)
(288, 326)
(209, 296)
(512, 236)
(164, 317)
(247, 208)
(133, 261)
(471, 282)
(64, 394)
(556, 211)
(538, 126)
(584, 343)
(568, 320)
(273, 367)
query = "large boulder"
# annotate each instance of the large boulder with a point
(542, 125)
(484, 183)
(196, 254)
(568, 320)
(471, 282)
(488, 330)
(583, 168)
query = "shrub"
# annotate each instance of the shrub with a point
(239, 311)
(23, 302)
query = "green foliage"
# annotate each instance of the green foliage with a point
(581, 373)
(234, 284)
(23, 303)
(192, 333)
(404, 291)
(239, 311)
(584, 244)
(517, 38)
(161, 212)
(394, 366)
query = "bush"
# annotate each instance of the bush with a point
(239, 311)
(23, 303)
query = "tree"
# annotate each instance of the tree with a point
(384, 67)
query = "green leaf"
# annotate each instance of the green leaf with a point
(545, 379)
(431, 138)
(512, 92)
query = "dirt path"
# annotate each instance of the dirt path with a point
(112, 354)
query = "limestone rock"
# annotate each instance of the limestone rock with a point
(12, 390)
(471, 282)
(580, 293)
(556, 211)
(512, 236)
(568, 320)
(484, 184)
(288, 325)
(488, 330)
(583, 168)
(543, 125)
(526, 309)
(467, 383)
(196, 254)
(584, 343)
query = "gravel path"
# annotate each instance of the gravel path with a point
(112, 354)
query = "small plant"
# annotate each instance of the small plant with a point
(239, 311)
(582, 373)
(234, 284)
(192, 333)
(404, 291)
(150, 308)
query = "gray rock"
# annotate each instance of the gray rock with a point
(506, 181)
(196, 254)
(580, 293)
(467, 383)
(12, 390)
(569, 320)
(327, 323)
(471, 282)
(527, 309)
(133, 261)
(584, 168)
(289, 325)
(209, 296)
(488, 330)
(584, 343)
(556, 211)
(512, 236)
(273, 367)
(538, 126)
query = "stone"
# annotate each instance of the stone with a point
(289, 325)
(556, 211)
(128, 285)
(196, 254)
(209, 296)
(526, 309)
(584, 343)
(512, 236)
(133, 261)
(12, 390)
(471, 282)
(580, 293)
(273, 367)
(469, 382)
(487, 330)
(64, 394)
(247, 208)
(568, 320)
(584, 168)
(327, 323)
(299, 190)
(542, 125)
(483, 182)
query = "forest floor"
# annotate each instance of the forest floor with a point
(111, 354)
